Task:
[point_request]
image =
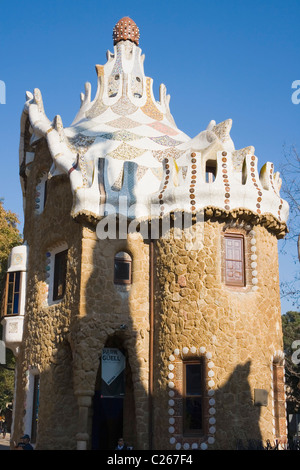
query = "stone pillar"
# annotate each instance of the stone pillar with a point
(84, 399)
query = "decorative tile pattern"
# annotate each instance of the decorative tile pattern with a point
(259, 190)
(225, 177)
(124, 106)
(165, 140)
(171, 152)
(80, 143)
(122, 135)
(192, 189)
(253, 260)
(160, 127)
(97, 109)
(118, 182)
(165, 186)
(149, 108)
(123, 123)
(126, 152)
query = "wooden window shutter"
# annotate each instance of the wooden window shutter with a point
(234, 260)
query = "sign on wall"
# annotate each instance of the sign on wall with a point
(113, 365)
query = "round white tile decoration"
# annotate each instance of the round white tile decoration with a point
(253, 265)
(179, 354)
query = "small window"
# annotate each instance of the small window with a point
(122, 268)
(60, 271)
(12, 293)
(193, 398)
(234, 260)
(41, 193)
(210, 171)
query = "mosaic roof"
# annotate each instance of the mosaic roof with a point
(124, 141)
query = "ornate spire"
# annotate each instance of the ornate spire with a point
(126, 29)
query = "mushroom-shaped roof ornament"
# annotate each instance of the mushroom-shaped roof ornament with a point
(126, 29)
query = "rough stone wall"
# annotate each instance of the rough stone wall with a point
(45, 346)
(236, 331)
(104, 307)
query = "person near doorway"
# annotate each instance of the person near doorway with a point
(121, 444)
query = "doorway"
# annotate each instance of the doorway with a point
(109, 399)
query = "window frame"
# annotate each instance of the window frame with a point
(7, 282)
(241, 237)
(186, 431)
(124, 260)
(55, 296)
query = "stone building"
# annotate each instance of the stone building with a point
(144, 301)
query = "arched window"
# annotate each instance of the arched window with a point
(122, 268)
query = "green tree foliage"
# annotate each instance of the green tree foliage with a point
(291, 335)
(9, 237)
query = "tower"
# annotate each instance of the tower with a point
(149, 302)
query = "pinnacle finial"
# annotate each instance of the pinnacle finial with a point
(126, 29)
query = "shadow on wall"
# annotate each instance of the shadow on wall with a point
(108, 323)
(237, 416)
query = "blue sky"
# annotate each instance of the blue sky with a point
(219, 59)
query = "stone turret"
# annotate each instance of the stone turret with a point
(169, 337)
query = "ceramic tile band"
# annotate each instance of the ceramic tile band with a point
(253, 248)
